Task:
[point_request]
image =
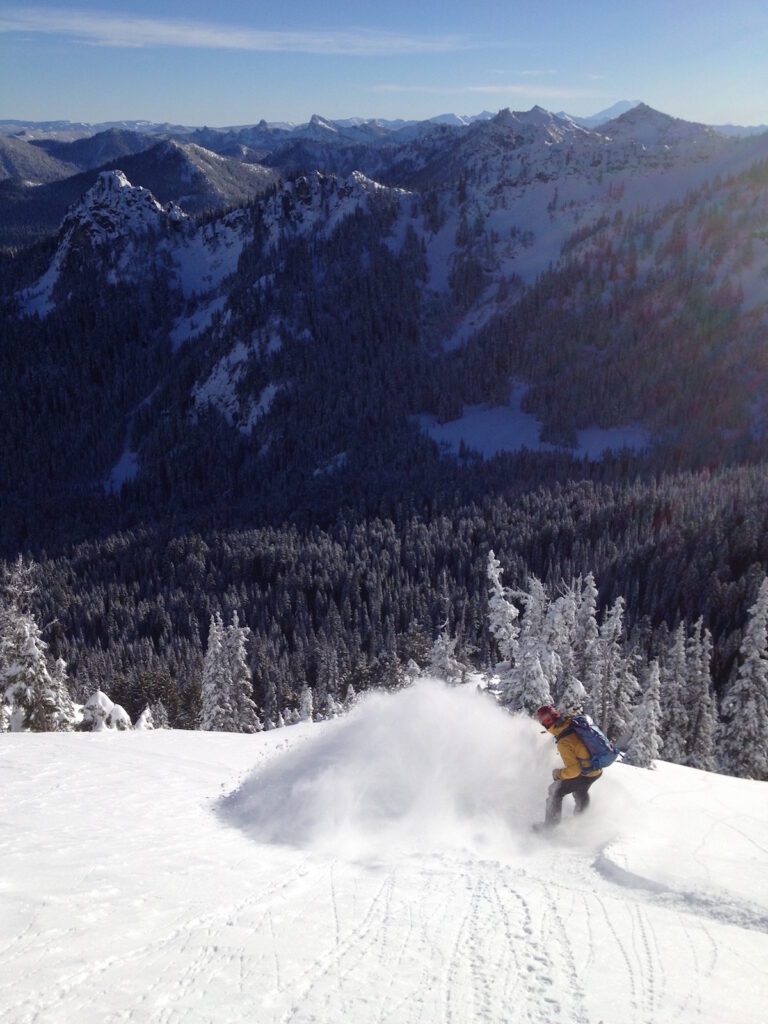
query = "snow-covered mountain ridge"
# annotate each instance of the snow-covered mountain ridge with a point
(392, 880)
(110, 223)
(460, 260)
(135, 235)
(527, 187)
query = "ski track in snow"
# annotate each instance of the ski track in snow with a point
(125, 898)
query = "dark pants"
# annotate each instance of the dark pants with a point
(580, 789)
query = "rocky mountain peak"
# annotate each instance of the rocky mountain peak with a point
(114, 207)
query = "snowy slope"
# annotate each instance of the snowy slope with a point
(377, 868)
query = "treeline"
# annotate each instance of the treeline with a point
(650, 690)
(353, 602)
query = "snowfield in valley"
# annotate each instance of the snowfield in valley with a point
(377, 868)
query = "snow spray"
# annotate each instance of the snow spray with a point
(428, 767)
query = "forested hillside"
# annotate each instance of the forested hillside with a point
(219, 414)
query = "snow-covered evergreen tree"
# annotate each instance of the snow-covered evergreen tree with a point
(559, 629)
(744, 734)
(625, 698)
(502, 613)
(66, 712)
(351, 698)
(333, 709)
(700, 707)
(35, 696)
(442, 660)
(645, 743)
(674, 687)
(27, 683)
(531, 685)
(586, 635)
(217, 712)
(306, 705)
(246, 718)
(145, 722)
(100, 713)
(270, 706)
(159, 715)
(527, 685)
(573, 699)
(614, 683)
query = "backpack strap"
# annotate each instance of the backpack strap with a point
(587, 764)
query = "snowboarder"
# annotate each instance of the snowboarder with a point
(571, 778)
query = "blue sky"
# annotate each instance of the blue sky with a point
(197, 62)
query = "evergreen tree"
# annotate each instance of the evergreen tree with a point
(531, 688)
(625, 698)
(574, 698)
(145, 721)
(351, 698)
(333, 709)
(442, 661)
(65, 713)
(306, 705)
(560, 629)
(502, 613)
(701, 711)
(607, 705)
(217, 712)
(674, 689)
(159, 715)
(240, 682)
(100, 713)
(744, 735)
(645, 742)
(586, 633)
(38, 702)
(527, 686)
(270, 704)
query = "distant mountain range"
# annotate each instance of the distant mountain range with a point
(46, 166)
(50, 133)
(331, 322)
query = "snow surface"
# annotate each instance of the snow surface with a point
(188, 327)
(378, 868)
(220, 391)
(490, 430)
(126, 468)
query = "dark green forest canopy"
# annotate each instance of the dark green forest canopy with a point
(679, 547)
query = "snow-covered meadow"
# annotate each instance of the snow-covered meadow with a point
(377, 868)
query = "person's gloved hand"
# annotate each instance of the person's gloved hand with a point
(557, 774)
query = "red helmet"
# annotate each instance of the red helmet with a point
(547, 715)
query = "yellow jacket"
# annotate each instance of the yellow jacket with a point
(572, 751)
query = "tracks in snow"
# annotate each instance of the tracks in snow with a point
(447, 938)
(151, 910)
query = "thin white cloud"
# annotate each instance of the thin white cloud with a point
(104, 29)
(527, 73)
(527, 89)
